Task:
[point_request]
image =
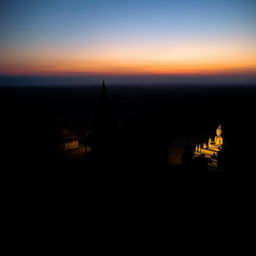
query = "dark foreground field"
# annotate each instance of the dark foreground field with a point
(133, 165)
(147, 121)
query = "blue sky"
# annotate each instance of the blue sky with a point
(62, 36)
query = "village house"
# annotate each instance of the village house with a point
(68, 140)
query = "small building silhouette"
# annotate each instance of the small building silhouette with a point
(68, 140)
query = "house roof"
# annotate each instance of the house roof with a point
(67, 136)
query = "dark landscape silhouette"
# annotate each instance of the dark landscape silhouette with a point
(130, 128)
(132, 133)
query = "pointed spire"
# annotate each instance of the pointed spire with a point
(103, 87)
(104, 119)
(103, 94)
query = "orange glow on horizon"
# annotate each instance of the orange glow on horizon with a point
(115, 38)
(78, 69)
(172, 59)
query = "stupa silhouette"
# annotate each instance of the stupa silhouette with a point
(104, 124)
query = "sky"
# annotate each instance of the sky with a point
(116, 38)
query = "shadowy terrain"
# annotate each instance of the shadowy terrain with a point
(145, 122)
(134, 129)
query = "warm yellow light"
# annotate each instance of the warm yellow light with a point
(211, 149)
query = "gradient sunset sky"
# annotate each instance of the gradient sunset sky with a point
(135, 37)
